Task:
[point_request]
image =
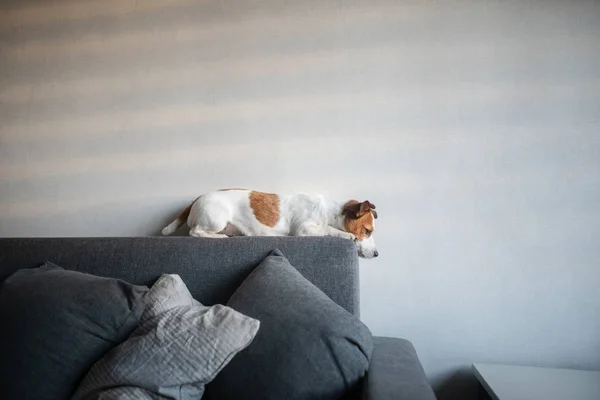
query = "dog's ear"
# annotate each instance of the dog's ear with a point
(354, 209)
(365, 207)
(372, 209)
(351, 209)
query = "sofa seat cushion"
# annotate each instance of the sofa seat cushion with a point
(396, 372)
(56, 324)
(308, 347)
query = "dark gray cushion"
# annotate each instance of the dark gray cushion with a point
(56, 324)
(308, 347)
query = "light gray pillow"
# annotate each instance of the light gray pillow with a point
(168, 292)
(179, 347)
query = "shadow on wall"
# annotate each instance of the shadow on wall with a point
(458, 385)
(127, 218)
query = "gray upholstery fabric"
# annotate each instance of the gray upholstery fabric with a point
(212, 268)
(179, 347)
(395, 373)
(308, 347)
(56, 324)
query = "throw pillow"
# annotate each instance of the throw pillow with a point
(168, 292)
(180, 346)
(56, 324)
(308, 347)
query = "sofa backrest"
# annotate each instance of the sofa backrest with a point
(211, 268)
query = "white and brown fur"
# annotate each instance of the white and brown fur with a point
(233, 212)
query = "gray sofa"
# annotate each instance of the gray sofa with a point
(214, 268)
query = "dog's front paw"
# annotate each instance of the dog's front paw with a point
(350, 236)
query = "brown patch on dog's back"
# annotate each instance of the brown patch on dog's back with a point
(359, 218)
(265, 207)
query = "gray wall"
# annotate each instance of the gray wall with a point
(473, 126)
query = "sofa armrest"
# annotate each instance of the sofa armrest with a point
(395, 372)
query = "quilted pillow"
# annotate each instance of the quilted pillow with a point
(179, 347)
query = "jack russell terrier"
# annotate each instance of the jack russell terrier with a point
(234, 212)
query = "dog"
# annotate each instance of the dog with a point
(235, 212)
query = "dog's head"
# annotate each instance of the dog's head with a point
(360, 221)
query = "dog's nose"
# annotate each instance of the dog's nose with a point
(376, 253)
